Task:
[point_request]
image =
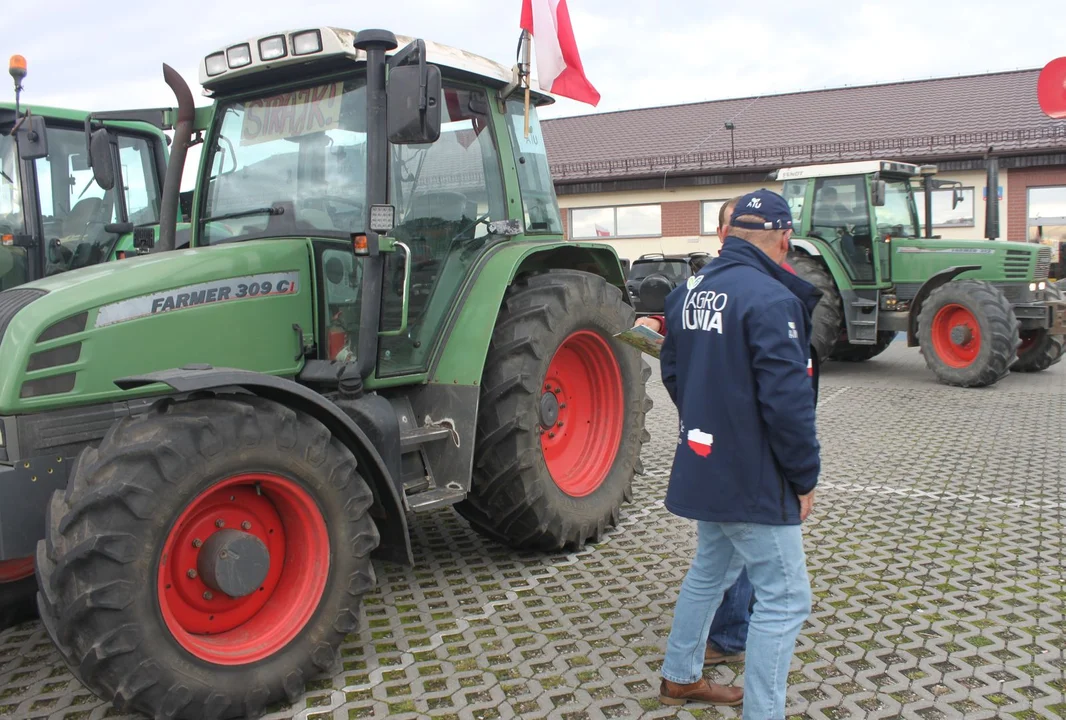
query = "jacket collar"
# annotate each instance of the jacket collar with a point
(741, 252)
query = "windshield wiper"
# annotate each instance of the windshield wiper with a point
(246, 213)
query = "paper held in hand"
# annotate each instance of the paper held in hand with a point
(643, 338)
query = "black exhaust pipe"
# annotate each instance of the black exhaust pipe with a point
(992, 196)
(168, 210)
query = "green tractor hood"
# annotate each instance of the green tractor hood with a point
(917, 259)
(64, 340)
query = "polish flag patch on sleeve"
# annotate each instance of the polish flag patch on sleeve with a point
(700, 442)
(810, 368)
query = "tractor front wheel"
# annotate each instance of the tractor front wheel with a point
(968, 333)
(561, 418)
(208, 559)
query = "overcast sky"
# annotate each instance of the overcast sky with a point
(109, 56)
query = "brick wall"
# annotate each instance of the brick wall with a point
(566, 223)
(1017, 196)
(681, 218)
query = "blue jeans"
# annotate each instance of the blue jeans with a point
(729, 629)
(777, 567)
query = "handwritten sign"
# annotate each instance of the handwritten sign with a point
(292, 114)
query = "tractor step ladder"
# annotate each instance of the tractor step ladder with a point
(421, 489)
(861, 315)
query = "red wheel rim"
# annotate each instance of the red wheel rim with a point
(956, 336)
(236, 630)
(15, 570)
(581, 413)
(1028, 340)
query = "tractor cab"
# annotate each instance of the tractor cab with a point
(857, 237)
(55, 215)
(856, 209)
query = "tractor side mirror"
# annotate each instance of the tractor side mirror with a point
(956, 198)
(100, 154)
(32, 138)
(413, 111)
(878, 190)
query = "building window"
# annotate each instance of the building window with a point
(709, 216)
(619, 222)
(1047, 217)
(944, 216)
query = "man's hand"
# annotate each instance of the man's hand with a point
(650, 322)
(806, 505)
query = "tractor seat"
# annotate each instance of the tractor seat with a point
(83, 212)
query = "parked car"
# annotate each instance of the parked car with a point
(653, 276)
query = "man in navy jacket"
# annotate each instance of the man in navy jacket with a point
(735, 361)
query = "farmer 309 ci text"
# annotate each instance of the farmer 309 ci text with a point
(377, 314)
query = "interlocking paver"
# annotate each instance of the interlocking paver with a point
(936, 554)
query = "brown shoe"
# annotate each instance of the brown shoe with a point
(717, 657)
(671, 693)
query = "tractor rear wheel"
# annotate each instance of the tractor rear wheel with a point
(561, 417)
(1039, 349)
(968, 333)
(208, 559)
(18, 592)
(828, 317)
(848, 352)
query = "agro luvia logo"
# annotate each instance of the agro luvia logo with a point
(703, 308)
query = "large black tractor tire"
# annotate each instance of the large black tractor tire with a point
(18, 594)
(1040, 349)
(828, 317)
(848, 352)
(561, 416)
(968, 333)
(125, 589)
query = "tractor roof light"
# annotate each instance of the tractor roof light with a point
(272, 48)
(307, 42)
(239, 55)
(216, 63)
(17, 67)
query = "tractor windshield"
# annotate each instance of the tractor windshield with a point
(896, 218)
(289, 164)
(12, 221)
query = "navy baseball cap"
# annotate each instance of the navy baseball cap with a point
(765, 204)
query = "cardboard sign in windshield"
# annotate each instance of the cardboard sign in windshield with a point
(292, 114)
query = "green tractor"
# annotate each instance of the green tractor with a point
(58, 209)
(977, 308)
(55, 217)
(377, 315)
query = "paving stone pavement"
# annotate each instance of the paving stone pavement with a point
(936, 552)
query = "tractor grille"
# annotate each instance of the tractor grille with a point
(11, 301)
(1016, 265)
(1043, 263)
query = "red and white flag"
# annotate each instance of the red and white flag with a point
(559, 69)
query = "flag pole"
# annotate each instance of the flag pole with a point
(526, 72)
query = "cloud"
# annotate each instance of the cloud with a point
(636, 54)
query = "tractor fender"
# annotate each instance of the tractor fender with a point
(806, 246)
(395, 542)
(944, 276)
(468, 330)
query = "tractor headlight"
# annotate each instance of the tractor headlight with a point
(1041, 286)
(216, 64)
(1032, 287)
(272, 48)
(239, 56)
(305, 43)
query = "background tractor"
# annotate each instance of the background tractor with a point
(977, 309)
(376, 315)
(55, 216)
